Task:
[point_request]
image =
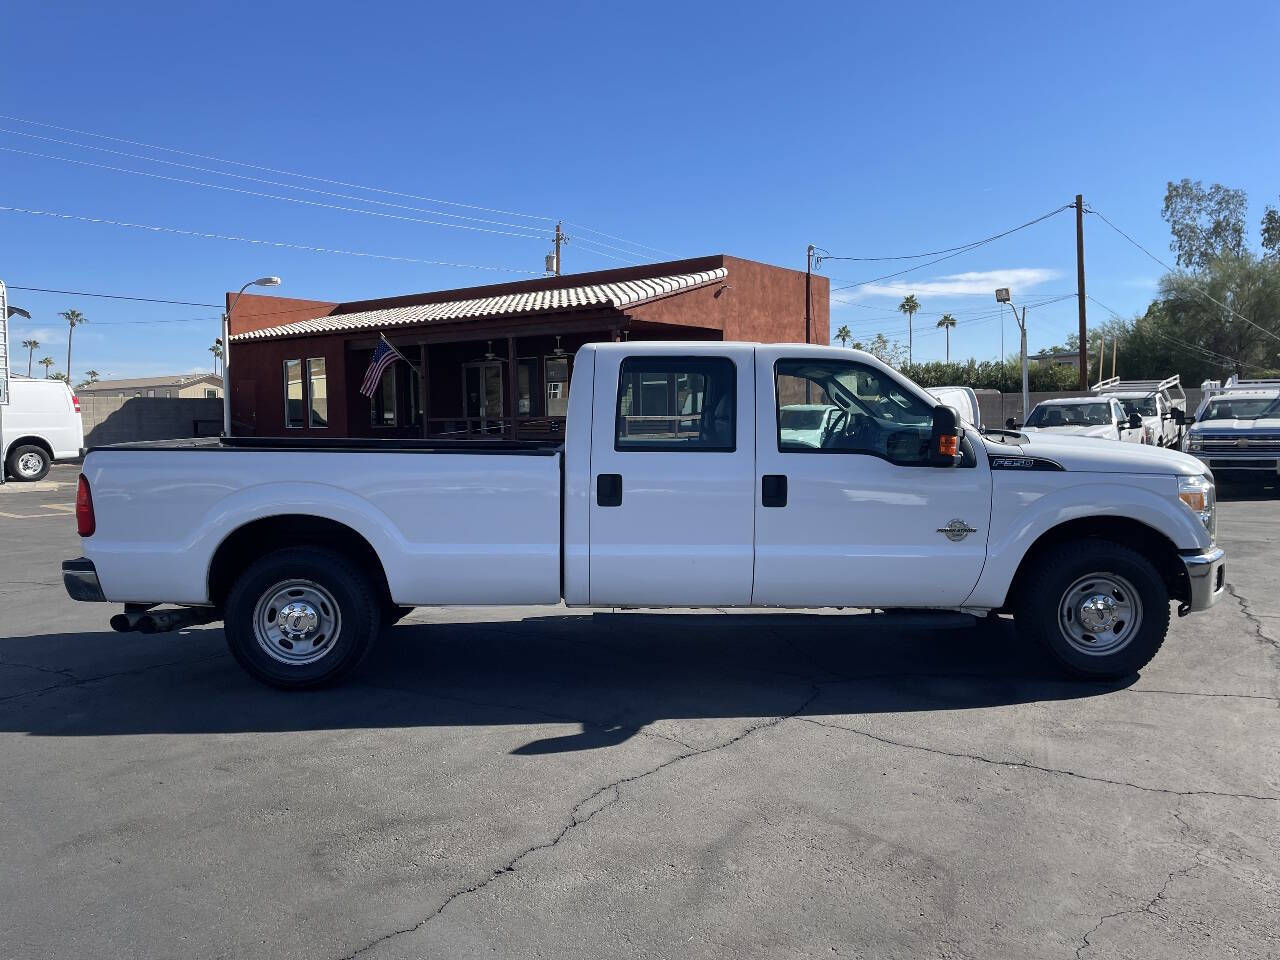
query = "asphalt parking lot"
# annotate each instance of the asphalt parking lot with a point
(553, 783)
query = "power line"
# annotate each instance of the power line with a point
(1197, 289)
(268, 243)
(958, 250)
(114, 296)
(633, 243)
(275, 196)
(1200, 352)
(933, 253)
(314, 179)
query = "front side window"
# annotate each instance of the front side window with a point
(293, 393)
(676, 403)
(843, 406)
(318, 391)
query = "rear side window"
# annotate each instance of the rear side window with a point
(677, 403)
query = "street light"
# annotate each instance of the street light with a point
(226, 348)
(1002, 296)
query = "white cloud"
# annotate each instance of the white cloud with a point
(984, 282)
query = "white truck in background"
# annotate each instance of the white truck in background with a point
(305, 548)
(1101, 418)
(40, 425)
(1157, 402)
(1236, 429)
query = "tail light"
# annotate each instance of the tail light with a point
(75, 402)
(85, 521)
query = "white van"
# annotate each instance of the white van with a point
(41, 424)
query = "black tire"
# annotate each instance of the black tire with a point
(1130, 581)
(327, 587)
(29, 453)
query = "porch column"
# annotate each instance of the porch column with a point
(511, 387)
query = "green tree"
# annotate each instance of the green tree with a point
(1271, 232)
(883, 349)
(909, 306)
(31, 349)
(843, 335)
(46, 362)
(216, 350)
(1206, 223)
(946, 323)
(74, 319)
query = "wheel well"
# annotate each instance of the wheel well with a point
(1148, 541)
(253, 540)
(40, 442)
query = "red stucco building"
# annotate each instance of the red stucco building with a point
(494, 360)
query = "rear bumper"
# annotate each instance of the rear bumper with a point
(1206, 573)
(80, 577)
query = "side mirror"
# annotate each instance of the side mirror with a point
(1135, 421)
(944, 441)
(1011, 424)
(1180, 417)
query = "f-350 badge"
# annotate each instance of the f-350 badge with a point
(956, 530)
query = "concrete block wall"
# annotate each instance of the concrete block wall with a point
(129, 419)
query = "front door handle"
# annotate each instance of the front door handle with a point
(773, 490)
(609, 490)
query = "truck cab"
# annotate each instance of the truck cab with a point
(1158, 403)
(1101, 418)
(1236, 432)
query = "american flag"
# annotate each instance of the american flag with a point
(383, 357)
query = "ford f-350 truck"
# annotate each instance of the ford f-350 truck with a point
(676, 486)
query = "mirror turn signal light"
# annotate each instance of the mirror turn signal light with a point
(948, 445)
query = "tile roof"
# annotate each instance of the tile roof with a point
(175, 380)
(618, 295)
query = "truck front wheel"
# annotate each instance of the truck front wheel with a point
(301, 617)
(1099, 608)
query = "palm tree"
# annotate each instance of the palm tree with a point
(93, 375)
(843, 335)
(946, 323)
(909, 306)
(74, 318)
(31, 349)
(216, 350)
(46, 362)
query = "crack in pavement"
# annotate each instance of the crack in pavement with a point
(613, 791)
(31, 666)
(1028, 765)
(82, 681)
(1148, 907)
(1247, 609)
(1196, 693)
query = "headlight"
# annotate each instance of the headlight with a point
(1198, 494)
(1194, 443)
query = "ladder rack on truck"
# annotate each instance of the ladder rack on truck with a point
(1166, 386)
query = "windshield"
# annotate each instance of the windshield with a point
(1226, 408)
(802, 419)
(1146, 407)
(1071, 415)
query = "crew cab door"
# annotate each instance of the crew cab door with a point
(860, 519)
(673, 475)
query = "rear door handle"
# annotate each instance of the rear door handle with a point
(773, 490)
(609, 489)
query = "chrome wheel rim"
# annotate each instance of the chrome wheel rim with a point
(29, 465)
(1100, 614)
(296, 622)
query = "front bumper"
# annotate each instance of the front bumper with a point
(1206, 574)
(80, 577)
(1257, 462)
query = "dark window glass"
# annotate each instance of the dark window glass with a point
(318, 390)
(676, 403)
(293, 393)
(842, 406)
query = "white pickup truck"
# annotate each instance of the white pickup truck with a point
(305, 549)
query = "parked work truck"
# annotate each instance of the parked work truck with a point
(677, 486)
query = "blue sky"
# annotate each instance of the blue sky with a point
(750, 129)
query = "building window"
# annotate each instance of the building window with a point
(676, 403)
(293, 394)
(557, 386)
(151, 393)
(318, 391)
(210, 393)
(382, 406)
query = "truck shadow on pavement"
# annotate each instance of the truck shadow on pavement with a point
(612, 674)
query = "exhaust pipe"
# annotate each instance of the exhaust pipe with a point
(145, 620)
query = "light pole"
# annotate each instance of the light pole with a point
(226, 348)
(1002, 296)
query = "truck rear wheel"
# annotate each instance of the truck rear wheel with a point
(29, 463)
(301, 617)
(1099, 608)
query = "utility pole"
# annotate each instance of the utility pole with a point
(1084, 357)
(560, 238)
(808, 295)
